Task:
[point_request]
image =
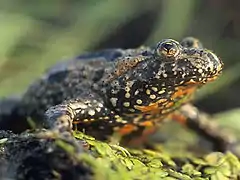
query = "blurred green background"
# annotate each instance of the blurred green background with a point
(34, 35)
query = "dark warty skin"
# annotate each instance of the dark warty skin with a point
(123, 91)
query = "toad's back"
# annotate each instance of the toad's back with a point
(72, 79)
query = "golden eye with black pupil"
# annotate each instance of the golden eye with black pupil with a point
(168, 48)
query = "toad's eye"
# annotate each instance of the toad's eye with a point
(168, 47)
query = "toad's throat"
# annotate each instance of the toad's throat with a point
(166, 105)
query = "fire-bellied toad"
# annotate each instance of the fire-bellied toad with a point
(122, 91)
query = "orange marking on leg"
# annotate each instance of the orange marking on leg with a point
(151, 107)
(170, 104)
(146, 123)
(181, 119)
(212, 79)
(76, 122)
(140, 140)
(182, 91)
(127, 129)
(148, 131)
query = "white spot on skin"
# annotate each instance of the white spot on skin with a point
(200, 71)
(115, 83)
(89, 105)
(132, 110)
(78, 105)
(114, 91)
(157, 76)
(113, 101)
(139, 101)
(192, 81)
(153, 96)
(127, 95)
(164, 75)
(136, 92)
(161, 92)
(155, 89)
(148, 91)
(91, 112)
(98, 109)
(127, 89)
(124, 122)
(126, 104)
(119, 120)
(130, 83)
(106, 117)
(83, 106)
(78, 110)
(100, 104)
(82, 112)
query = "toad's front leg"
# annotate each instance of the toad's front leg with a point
(90, 113)
(85, 109)
(201, 123)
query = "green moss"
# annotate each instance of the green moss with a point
(114, 163)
